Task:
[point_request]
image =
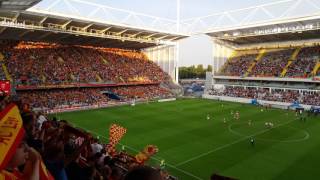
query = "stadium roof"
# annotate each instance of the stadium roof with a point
(285, 20)
(286, 30)
(17, 4)
(34, 26)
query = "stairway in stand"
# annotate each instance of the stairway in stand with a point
(4, 68)
(292, 58)
(316, 69)
(258, 58)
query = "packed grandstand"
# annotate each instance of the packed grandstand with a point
(50, 77)
(282, 64)
(275, 63)
(61, 70)
(40, 78)
(47, 77)
(296, 63)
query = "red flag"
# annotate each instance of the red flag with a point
(146, 153)
(116, 132)
(11, 133)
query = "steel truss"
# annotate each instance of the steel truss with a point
(107, 14)
(279, 11)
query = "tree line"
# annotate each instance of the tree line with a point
(193, 71)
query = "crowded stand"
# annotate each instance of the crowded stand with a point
(71, 97)
(142, 92)
(2, 75)
(304, 63)
(280, 95)
(54, 148)
(48, 149)
(272, 64)
(66, 97)
(32, 65)
(237, 66)
(44, 63)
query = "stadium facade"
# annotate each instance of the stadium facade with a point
(43, 25)
(267, 56)
(64, 62)
(160, 43)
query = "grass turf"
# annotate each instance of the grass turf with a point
(194, 147)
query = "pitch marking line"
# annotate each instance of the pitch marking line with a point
(170, 165)
(227, 145)
(307, 135)
(133, 149)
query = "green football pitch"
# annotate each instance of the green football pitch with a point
(194, 147)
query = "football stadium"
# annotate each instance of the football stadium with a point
(88, 96)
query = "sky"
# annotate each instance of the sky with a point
(196, 49)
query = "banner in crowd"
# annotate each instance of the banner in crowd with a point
(295, 104)
(316, 78)
(146, 153)
(11, 133)
(116, 132)
(254, 102)
(5, 87)
(44, 174)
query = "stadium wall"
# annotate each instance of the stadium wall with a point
(274, 104)
(221, 52)
(280, 44)
(209, 82)
(166, 57)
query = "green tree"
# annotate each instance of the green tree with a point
(193, 72)
(209, 68)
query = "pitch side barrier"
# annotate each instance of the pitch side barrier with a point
(274, 104)
(80, 107)
(166, 100)
(97, 106)
(77, 108)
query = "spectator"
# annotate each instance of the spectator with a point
(29, 158)
(44, 63)
(272, 63)
(288, 96)
(96, 147)
(304, 63)
(41, 120)
(238, 66)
